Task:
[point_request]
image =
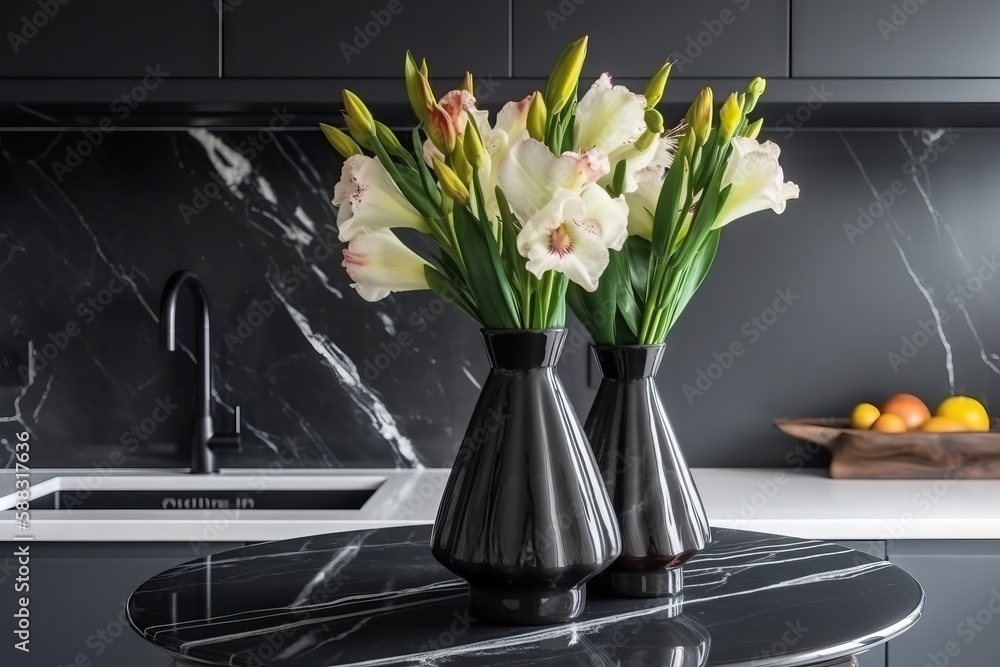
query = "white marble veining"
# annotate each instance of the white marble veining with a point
(806, 504)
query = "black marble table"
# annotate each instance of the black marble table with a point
(379, 598)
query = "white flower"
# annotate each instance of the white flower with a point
(531, 175)
(608, 117)
(379, 263)
(368, 199)
(757, 181)
(642, 207)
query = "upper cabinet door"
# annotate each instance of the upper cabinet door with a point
(895, 38)
(109, 38)
(364, 38)
(632, 38)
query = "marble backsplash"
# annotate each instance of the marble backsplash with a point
(881, 278)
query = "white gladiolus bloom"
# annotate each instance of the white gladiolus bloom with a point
(367, 198)
(608, 117)
(642, 207)
(379, 264)
(757, 181)
(562, 236)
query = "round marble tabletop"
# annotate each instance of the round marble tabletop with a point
(378, 597)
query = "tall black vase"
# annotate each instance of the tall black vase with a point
(525, 517)
(660, 514)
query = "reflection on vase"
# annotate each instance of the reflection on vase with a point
(662, 519)
(525, 517)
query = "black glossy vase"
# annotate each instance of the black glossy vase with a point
(525, 518)
(660, 514)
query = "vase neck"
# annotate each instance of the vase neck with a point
(628, 363)
(523, 349)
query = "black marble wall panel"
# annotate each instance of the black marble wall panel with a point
(882, 277)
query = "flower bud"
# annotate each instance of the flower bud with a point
(473, 144)
(537, 117)
(654, 121)
(645, 140)
(420, 102)
(699, 115)
(356, 132)
(730, 116)
(451, 184)
(359, 113)
(441, 130)
(565, 76)
(340, 141)
(468, 83)
(754, 129)
(461, 162)
(657, 85)
(754, 91)
(388, 139)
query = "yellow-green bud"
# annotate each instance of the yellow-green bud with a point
(657, 85)
(355, 131)
(645, 140)
(423, 68)
(340, 141)
(460, 162)
(359, 113)
(414, 88)
(753, 129)
(565, 76)
(538, 115)
(451, 184)
(699, 115)
(754, 91)
(468, 84)
(730, 116)
(388, 139)
(654, 121)
(473, 144)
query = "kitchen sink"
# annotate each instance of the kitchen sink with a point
(200, 492)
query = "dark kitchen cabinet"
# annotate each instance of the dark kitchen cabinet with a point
(960, 625)
(632, 38)
(77, 601)
(368, 38)
(895, 38)
(109, 38)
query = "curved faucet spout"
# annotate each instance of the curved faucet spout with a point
(168, 331)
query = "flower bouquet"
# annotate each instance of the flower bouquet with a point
(561, 199)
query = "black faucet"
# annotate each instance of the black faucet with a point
(204, 440)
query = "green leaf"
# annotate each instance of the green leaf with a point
(628, 307)
(417, 197)
(694, 276)
(673, 194)
(430, 185)
(639, 252)
(450, 292)
(618, 180)
(488, 282)
(508, 236)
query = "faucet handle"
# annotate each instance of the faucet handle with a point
(231, 441)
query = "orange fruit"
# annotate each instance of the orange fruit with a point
(965, 410)
(913, 411)
(943, 425)
(889, 423)
(864, 415)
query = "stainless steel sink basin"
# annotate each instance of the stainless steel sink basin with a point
(200, 492)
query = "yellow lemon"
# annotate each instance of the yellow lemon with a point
(943, 425)
(965, 410)
(864, 415)
(889, 423)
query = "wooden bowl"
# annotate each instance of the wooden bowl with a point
(858, 454)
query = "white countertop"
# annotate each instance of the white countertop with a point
(804, 504)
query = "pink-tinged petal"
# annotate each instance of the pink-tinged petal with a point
(457, 104)
(379, 263)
